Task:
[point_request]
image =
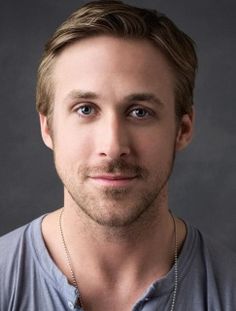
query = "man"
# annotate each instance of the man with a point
(115, 95)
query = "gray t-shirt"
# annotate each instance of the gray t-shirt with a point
(30, 280)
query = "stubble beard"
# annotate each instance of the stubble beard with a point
(116, 207)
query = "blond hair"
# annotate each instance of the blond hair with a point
(119, 19)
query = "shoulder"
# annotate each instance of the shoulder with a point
(16, 252)
(17, 242)
(219, 264)
(214, 259)
(11, 244)
(216, 251)
(207, 273)
(221, 258)
(16, 233)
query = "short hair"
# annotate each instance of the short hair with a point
(125, 21)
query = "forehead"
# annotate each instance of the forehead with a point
(106, 63)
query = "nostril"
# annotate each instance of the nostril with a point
(115, 153)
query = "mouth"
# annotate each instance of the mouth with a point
(113, 180)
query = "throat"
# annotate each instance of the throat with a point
(117, 295)
(116, 266)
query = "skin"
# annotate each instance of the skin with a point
(114, 136)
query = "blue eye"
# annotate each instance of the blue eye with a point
(85, 110)
(139, 113)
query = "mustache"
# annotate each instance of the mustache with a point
(119, 166)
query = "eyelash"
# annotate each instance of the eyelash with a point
(145, 110)
(148, 112)
(83, 106)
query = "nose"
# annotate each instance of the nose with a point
(113, 141)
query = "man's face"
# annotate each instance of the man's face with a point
(114, 130)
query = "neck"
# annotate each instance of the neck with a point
(115, 259)
(115, 251)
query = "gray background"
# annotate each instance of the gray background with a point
(202, 188)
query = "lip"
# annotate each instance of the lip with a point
(113, 180)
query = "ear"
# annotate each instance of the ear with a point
(185, 131)
(45, 131)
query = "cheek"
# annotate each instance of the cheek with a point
(71, 144)
(156, 144)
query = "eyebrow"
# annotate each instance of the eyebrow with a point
(138, 97)
(78, 94)
(144, 97)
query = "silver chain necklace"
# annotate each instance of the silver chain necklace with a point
(73, 277)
